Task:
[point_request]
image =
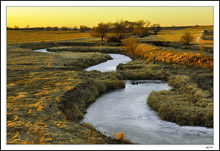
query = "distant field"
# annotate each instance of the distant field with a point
(27, 36)
(174, 35)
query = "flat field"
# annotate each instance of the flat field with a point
(173, 34)
(27, 36)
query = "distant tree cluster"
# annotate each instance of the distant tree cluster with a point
(121, 29)
(48, 28)
(84, 28)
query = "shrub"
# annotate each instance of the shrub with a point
(120, 136)
(187, 38)
(130, 44)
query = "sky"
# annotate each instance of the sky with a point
(91, 16)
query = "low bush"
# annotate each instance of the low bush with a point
(130, 44)
(187, 38)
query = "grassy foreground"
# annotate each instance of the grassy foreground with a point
(37, 84)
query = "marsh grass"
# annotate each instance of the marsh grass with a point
(35, 83)
(186, 104)
(78, 60)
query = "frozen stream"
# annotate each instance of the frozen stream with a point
(126, 111)
(110, 65)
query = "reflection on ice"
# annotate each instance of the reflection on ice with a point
(110, 65)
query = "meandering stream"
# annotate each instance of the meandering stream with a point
(126, 111)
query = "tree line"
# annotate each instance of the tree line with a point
(116, 31)
(120, 29)
(81, 28)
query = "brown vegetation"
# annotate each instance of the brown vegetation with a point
(187, 38)
(35, 85)
(163, 54)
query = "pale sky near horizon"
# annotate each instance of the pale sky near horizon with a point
(91, 16)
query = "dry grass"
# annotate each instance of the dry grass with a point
(35, 83)
(172, 56)
(27, 36)
(30, 92)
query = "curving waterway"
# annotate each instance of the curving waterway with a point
(110, 65)
(126, 111)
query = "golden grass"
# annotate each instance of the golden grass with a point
(35, 84)
(30, 91)
(28, 36)
(171, 56)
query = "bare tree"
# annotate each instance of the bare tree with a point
(156, 28)
(100, 31)
(49, 28)
(27, 27)
(55, 28)
(119, 28)
(187, 38)
(130, 26)
(16, 27)
(83, 28)
(141, 28)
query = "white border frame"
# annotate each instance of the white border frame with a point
(4, 4)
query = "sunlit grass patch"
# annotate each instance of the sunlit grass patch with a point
(174, 57)
(35, 83)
